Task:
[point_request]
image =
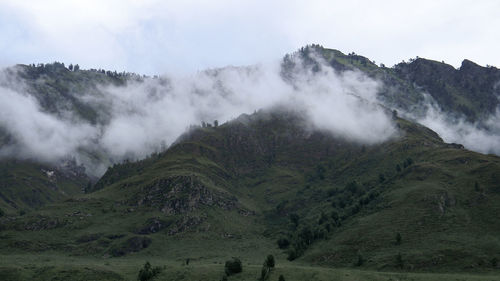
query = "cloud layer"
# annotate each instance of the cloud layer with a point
(143, 116)
(484, 137)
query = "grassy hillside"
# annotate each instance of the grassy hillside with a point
(26, 184)
(238, 188)
(411, 208)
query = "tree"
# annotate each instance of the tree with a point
(269, 261)
(70, 67)
(494, 262)
(264, 273)
(2, 213)
(233, 266)
(294, 218)
(360, 260)
(352, 187)
(398, 238)
(399, 261)
(283, 243)
(281, 278)
(76, 67)
(323, 218)
(148, 273)
(381, 177)
(216, 123)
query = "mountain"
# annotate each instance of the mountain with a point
(471, 90)
(325, 205)
(236, 189)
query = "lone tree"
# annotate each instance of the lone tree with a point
(360, 260)
(267, 267)
(148, 273)
(233, 266)
(398, 238)
(270, 261)
(399, 261)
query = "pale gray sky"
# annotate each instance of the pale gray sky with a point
(154, 37)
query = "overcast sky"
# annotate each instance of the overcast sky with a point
(155, 37)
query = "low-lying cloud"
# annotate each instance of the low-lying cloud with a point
(482, 137)
(145, 116)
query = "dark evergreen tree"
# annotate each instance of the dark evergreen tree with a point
(399, 261)
(233, 266)
(270, 261)
(398, 238)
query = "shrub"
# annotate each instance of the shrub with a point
(360, 260)
(398, 238)
(352, 187)
(233, 266)
(281, 278)
(399, 261)
(322, 218)
(283, 243)
(381, 178)
(148, 273)
(2, 213)
(294, 218)
(292, 254)
(224, 278)
(334, 215)
(264, 273)
(494, 262)
(270, 261)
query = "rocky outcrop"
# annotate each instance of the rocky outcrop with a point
(182, 194)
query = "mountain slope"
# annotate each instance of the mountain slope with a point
(26, 184)
(471, 90)
(238, 184)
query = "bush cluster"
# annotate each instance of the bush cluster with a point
(147, 272)
(233, 266)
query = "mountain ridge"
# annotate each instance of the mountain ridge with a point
(265, 183)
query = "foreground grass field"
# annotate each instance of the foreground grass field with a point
(59, 267)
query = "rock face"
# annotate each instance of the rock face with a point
(152, 226)
(182, 194)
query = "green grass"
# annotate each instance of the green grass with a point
(48, 267)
